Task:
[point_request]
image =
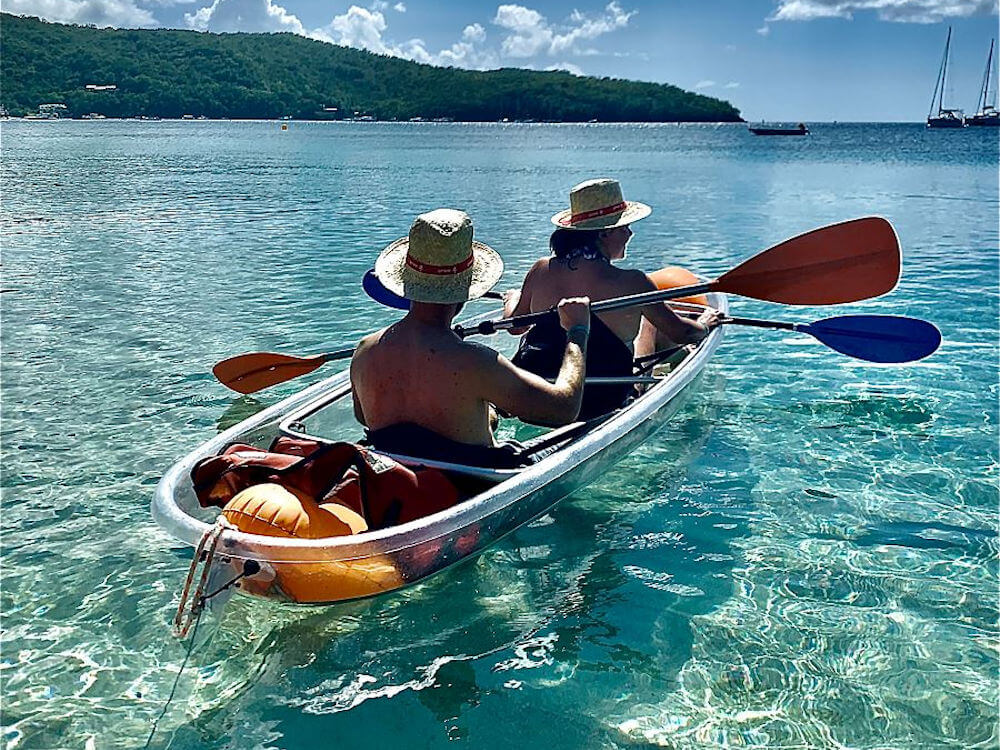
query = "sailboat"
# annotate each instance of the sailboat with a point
(945, 118)
(987, 113)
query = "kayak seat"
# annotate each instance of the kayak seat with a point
(492, 465)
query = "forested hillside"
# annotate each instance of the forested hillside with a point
(169, 73)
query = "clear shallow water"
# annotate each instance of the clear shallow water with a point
(806, 557)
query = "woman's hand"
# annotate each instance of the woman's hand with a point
(711, 318)
(700, 328)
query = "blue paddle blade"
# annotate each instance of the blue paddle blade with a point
(877, 338)
(374, 289)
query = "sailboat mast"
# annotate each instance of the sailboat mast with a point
(939, 82)
(944, 71)
(984, 90)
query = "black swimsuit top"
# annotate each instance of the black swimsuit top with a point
(541, 352)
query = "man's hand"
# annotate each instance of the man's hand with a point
(574, 311)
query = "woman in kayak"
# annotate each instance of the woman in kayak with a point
(590, 236)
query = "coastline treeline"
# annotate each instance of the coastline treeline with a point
(170, 73)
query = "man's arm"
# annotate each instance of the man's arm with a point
(359, 413)
(532, 398)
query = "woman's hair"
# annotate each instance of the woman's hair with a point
(569, 244)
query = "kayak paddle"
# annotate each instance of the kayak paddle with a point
(249, 373)
(875, 338)
(845, 262)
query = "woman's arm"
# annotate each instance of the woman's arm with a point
(668, 323)
(518, 302)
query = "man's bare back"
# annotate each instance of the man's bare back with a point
(419, 371)
(411, 372)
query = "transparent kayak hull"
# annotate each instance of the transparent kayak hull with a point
(349, 567)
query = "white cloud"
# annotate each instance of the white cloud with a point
(243, 15)
(365, 29)
(359, 27)
(531, 34)
(118, 13)
(704, 84)
(764, 30)
(474, 33)
(732, 85)
(905, 11)
(399, 7)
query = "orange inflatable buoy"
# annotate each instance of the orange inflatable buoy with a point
(675, 276)
(274, 510)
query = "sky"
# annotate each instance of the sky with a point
(776, 60)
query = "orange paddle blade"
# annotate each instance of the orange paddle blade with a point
(249, 373)
(846, 262)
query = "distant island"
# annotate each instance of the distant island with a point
(170, 73)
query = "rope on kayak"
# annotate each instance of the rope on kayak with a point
(191, 607)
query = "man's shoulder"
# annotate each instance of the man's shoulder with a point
(476, 353)
(368, 341)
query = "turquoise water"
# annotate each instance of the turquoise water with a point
(806, 557)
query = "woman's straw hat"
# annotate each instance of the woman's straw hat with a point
(598, 204)
(439, 261)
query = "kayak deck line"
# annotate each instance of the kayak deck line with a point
(375, 561)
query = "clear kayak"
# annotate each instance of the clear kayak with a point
(369, 563)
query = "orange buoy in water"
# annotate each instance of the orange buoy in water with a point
(675, 276)
(273, 510)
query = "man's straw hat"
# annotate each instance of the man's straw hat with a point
(439, 261)
(598, 204)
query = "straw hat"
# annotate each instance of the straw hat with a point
(439, 261)
(598, 204)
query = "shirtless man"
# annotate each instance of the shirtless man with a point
(591, 235)
(419, 388)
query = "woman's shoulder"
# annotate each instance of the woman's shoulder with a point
(633, 280)
(538, 269)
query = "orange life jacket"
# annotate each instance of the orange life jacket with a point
(384, 492)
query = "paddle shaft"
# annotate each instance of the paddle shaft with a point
(762, 323)
(488, 327)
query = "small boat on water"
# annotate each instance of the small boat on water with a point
(332, 569)
(986, 113)
(761, 129)
(264, 551)
(940, 116)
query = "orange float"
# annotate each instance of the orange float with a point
(671, 277)
(274, 510)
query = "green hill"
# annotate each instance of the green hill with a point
(169, 73)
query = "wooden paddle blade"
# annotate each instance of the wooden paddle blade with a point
(249, 373)
(846, 262)
(877, 338)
